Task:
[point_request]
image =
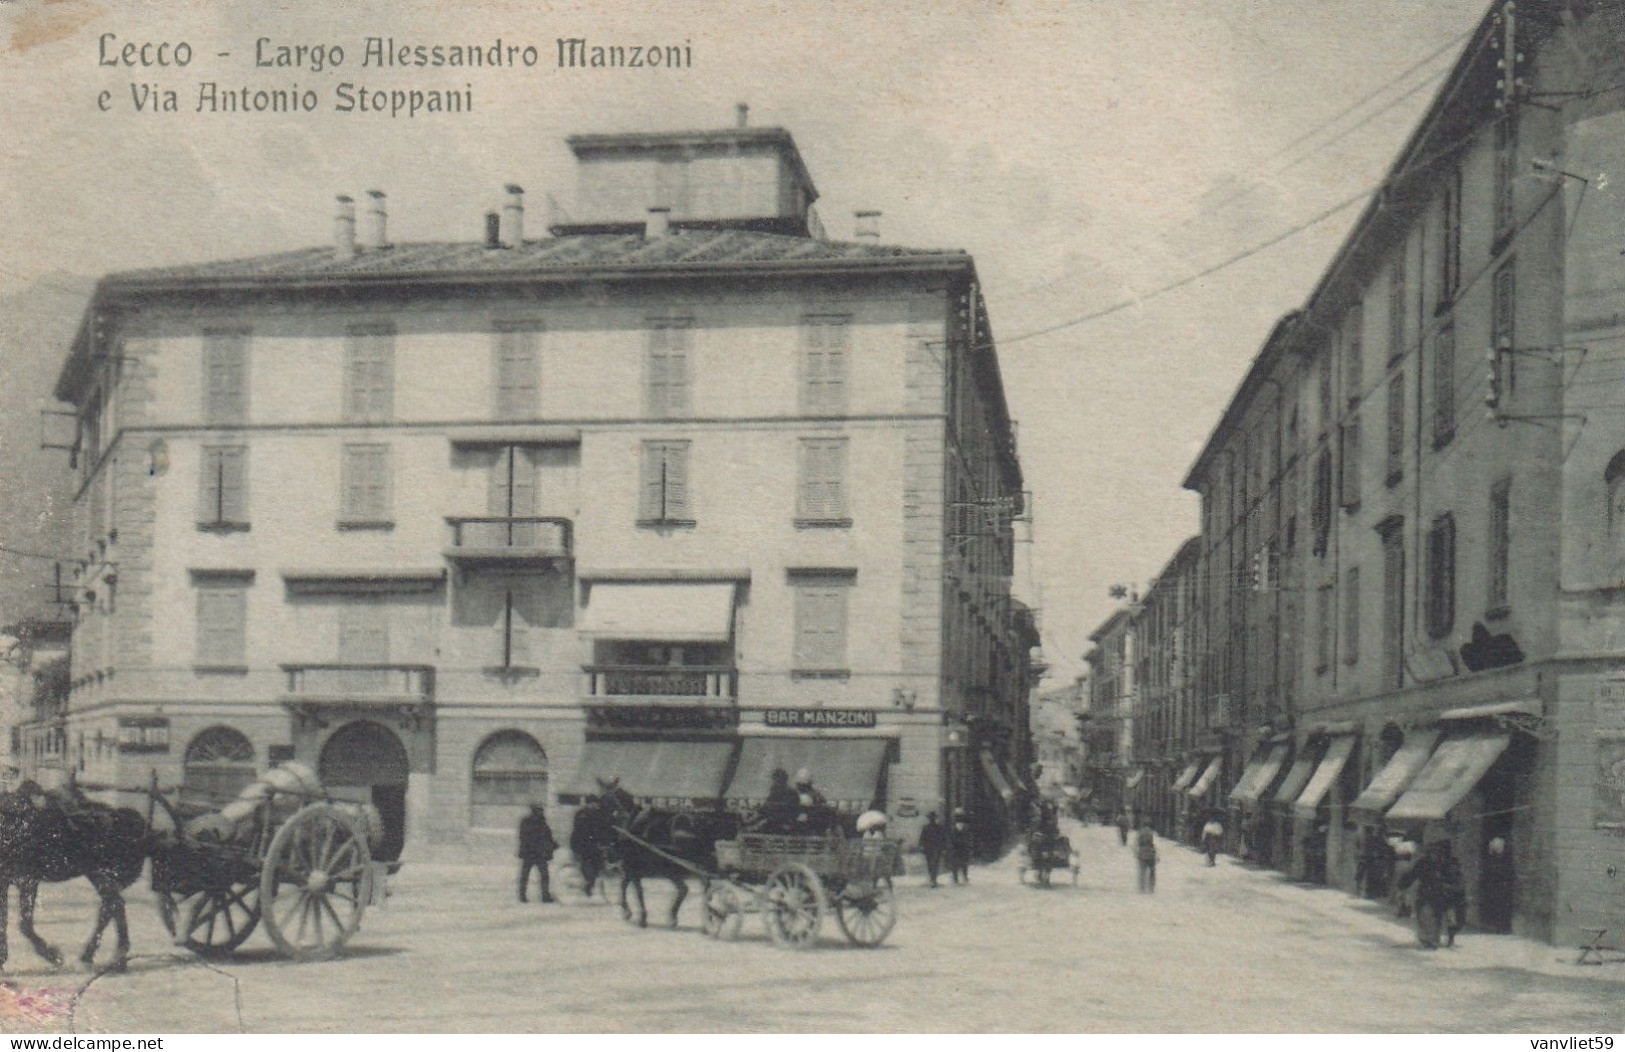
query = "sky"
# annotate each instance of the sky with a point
(1086, 153)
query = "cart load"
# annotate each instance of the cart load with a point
(794, 881)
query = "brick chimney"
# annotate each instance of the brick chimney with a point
(376, 238)
(659, 223)
(344, 228)
(513, 217)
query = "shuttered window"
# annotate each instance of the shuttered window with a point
(820, 620)
(1324, 627)
(223, 486)
(664, 497)
(516, 369)
(366, 485)
(1320, 510)
(1351, 460)
(824, 354)
(1398, 286)
(1444, 386)
(822, 480)
(1441, 594)
(1396, 429)
(363, 631)
(1450, 252)
(222, 621)
(666, 372)
(1353, 353)
(1500, 546)
(1393, 605)
(225, 378)
(369, 374)
(1351, 615)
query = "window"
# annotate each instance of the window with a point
(1506, 147)
(822, 491)
(1354, 353)
(516, 371)
(223, 486)
(1351, 616)
(1500, 546)
(820, 616)
(219, 765)
(1503, 312)
(507, 608)
(1323, 628)
(369, 373)
(824, 345)
(513, 495)
(1444, 386)
(365, 485)
(1321, 511)
(363, 631)
(664, 498)
(1396, 305)
(510, 774)
(1327, 414)
(1393, 603)
(1351, 461)
(225, 378)
(1396, 429)
(222, 620)
(666, 368)
(1450, 254)
(1441, 586)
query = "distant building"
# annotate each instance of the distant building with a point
(1112, 767)
(677, 491)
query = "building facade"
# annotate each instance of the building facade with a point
(1410, 574)
(678, 491)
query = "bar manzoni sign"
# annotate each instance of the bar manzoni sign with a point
(820, 717)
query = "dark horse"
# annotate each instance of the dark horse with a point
(673, 845)
(47, 839)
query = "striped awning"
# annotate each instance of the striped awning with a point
(1209, 776)
(1187, 776)
(1451, 773)
(1260, 774)
(1396, 774)
(1326, 775)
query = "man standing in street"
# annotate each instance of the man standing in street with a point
(933, 844)
(1145, 858)
(1122, 827)
(959, 847)
(536, 847)
(1212, 837)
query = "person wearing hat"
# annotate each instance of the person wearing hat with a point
(933, 845)
(806, 795)
(871, 825)
(959, 846)
(536, 847)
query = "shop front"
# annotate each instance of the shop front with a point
(1256, 784)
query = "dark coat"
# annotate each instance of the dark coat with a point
(961, 841)
(536, 841)
(934, 840)
(1145, 846)
(1438, 881)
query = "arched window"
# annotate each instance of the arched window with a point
(510, 773)
(219, 763)
(1614, 478)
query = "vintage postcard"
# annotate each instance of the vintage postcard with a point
(868, 517)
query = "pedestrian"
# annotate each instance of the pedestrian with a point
(1452, 893)
(536, 847)
(1145, 857)
(1212, 838)
(959, 846)
(1399, 894)
(1437, 878)
(933, 845)
(1122, 827)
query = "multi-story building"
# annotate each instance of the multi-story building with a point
(1423, 469)
(1056, 740)
(1166, 741)
(677, 491)
(1113, 775)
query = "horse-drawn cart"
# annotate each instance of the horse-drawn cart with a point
(285, 853)
(793, 881)
(1046, 852)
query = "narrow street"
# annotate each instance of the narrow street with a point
(1214, 950)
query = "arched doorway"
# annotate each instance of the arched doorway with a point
(368, 755)
(219, 764)
(510, 774)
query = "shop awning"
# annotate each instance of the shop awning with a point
(1260, 773)
(1397, 773)
(846, 770)
(1187, 776)
(1331, 766)
(1451, 772)
(1529, 707)
(1209, 776)
(996, 778)
(1302, 769)
(1133, 778)
(654, 770)
(660, 611)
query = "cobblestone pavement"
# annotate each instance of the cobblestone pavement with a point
(1222, 949)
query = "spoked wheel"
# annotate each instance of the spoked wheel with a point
(867, 911)
(724, 913)
(213, 922)
(795, 906)
(316, 882)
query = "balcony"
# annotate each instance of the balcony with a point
(508, 538)
(662, 681)
(365, 683)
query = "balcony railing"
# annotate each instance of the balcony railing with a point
(508, 537)
(360, 682)
(686, 681)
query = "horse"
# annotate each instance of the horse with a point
(44, 839)
(673, 845)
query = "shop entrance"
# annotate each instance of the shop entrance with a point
(367, 755)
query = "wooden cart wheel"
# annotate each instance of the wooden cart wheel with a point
(316, 882)
(214, 921)
(867, 911)
(724, 913)
(795, 905)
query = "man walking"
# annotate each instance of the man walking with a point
(536, 847)
(959, 846)
(1212, 837)
(1145, 857)
(1122, 827)
(933, 844)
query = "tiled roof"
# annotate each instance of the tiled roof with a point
(679, 250)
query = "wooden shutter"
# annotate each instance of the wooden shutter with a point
(366, 484)
(676, 457)
(1354, 352)
(223, 485)
(820, 626)
(369, 374)
(363, 631)
(221, 624)
(1396, 429)
(518, 373)
(822, 476)
(668, 368)
(651, 491)
(824, 364)
(225, 378)
(1444, 386)
(1397, 287)
(1351, 616)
